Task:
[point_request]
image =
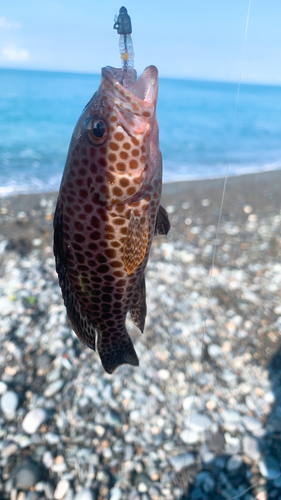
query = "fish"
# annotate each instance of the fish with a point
(108, 211)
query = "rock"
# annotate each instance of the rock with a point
(262, 495)
(36, 242)
(233, 444)
(181, 461)
(9, 402)
(205, 202)
(61, 489)
(54, 375)
(85, 494)
(214, 351)
(252, 424)
(52, 438)
(43, 361)
(170, 209)
(69, 495)
(9, 449)
(269, 467)
(164, 374)
(189, 437)
(53, 388)
(190, 403)
(26, 475)
(142, 487)
(115, 494)
(277, 482)
(112, 418)
(7, 307)
(3, 387)
(217, 442)
(209, 484)
(231, 416)
(234, 463)
(198, 422)
(49, 490)
(251, 447)
(33, 420)
(48, 459)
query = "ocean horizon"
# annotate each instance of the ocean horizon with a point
(198, 139)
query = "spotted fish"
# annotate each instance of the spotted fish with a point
(108, 211)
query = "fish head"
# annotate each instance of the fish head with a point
(115, 145)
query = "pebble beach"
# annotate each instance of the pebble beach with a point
(200, 418)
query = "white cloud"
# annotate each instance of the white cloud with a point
(4, 23)
(14, 54)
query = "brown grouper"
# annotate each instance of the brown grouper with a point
(108, 212)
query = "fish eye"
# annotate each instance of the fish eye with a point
(96, 130)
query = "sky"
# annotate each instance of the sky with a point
(193, 39)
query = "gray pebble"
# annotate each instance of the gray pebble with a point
(198, 422)
(189, 437)
(251, 423)
(251, 447)
(48, 459)
(33, 420)
(61, 489)
(277, 482)
(234, 463)
(197, 494)
(231, 416)
(69, 495)
(209, 484)
(43, 361)
(26, 475)
(9, 449)
(3, 387)
(217, 442)
(52, 438)
(115, 494)
(53, 388)
(85, 494)
(112, 418)
(7, 307)
(9, 402)
(31, 495)
(49, 490)
(54, 375)
(214, 351)
(181, 461)
(269, 467)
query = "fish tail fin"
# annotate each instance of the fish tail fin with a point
(116, 350)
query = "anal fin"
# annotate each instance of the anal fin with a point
(162, 225)
(136, 241)
(138, 308)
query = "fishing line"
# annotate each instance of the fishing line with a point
(215, 245)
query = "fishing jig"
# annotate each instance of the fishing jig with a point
(123, 26)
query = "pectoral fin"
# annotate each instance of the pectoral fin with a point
(162, 225)
(136, 241)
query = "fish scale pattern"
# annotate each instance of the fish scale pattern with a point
(105, 222)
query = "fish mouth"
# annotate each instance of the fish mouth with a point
(139, 102)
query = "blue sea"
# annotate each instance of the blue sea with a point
(38, 111)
